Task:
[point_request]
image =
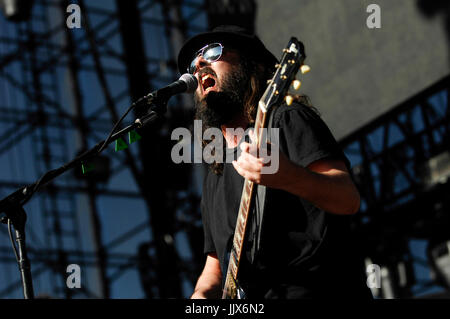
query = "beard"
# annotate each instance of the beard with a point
(219, 108)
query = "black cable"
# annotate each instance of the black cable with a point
(121, 119)
(114, 129)
(29, 193)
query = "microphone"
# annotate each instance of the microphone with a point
(186, 84)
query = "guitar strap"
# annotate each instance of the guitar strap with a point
(259, 205)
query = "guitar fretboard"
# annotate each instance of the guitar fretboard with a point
(278, 86)
(244, 209)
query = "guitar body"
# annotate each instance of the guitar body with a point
(278, 86)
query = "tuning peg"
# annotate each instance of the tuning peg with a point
(296, 84)
(305, 69)
(289, 99)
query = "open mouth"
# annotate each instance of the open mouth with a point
(208, 82)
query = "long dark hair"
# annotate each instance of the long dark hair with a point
(258, 74)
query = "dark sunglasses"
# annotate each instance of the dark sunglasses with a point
(211, 53)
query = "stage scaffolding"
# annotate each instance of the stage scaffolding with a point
(401, 165)
(132, 225)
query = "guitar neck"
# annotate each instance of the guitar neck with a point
(278, 86)
(243, 213)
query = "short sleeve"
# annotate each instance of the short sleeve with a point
(304, 137)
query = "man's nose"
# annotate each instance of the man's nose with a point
(200, 63)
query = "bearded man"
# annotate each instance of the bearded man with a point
(304, 246)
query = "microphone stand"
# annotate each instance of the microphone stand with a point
(12, 205)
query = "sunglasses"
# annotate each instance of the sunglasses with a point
(211, 53)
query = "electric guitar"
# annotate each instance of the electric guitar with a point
(275, 93)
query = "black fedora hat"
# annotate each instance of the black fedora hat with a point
(235, 36)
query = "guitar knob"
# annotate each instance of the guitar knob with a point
(296, 84)
(289, 99)
(305, 69)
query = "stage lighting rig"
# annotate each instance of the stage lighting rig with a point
(439, 257)
(16, 10)
(436, 170)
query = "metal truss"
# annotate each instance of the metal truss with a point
(62, 90)
(402, 203)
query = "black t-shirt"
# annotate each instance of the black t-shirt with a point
(304, 251)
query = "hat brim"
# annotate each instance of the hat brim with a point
(246, 43)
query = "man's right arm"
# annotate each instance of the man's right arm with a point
(210, 281)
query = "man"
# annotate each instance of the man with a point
(303, 250)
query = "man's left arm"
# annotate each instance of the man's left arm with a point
(326, 182)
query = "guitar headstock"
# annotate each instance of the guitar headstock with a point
(284, 77)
